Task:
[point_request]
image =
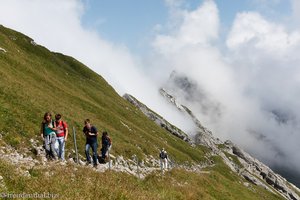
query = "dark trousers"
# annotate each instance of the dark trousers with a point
(103, 151)
(87, 152)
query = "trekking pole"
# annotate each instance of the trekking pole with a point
(161, 167)
(138, 169)
(75, 145)
(137, 164)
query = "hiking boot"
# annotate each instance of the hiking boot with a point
(88, 163)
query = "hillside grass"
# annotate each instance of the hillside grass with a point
(35, 80)
(73, 182)
(233, 158)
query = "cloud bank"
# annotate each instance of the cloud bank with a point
(252, 77)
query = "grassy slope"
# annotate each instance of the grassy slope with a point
(34, 80)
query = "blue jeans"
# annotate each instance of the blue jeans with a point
(61, 147)
(87, 152)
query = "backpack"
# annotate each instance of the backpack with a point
(162, 155)
(109, 141)
(106, 141)
(63, 125)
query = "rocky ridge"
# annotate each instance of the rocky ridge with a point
(157, 118)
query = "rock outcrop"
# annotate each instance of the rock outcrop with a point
(256, 170)
(2, 50)
(157, 118)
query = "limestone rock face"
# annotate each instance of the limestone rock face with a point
(157, 118)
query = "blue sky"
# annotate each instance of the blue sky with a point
(132, 22)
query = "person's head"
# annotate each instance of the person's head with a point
(57, 117)
(47, 117)
(87, 123)
(104, 133)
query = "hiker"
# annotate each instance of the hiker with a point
(48, 134)
(91, 134)
(61, 136)
(106, 144)
(163, 159)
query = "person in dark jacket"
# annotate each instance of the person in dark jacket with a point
(91, 134)
(106, 144)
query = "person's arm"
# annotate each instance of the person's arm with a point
(53, 128)
(66, 131)
(93, 134)
(93, 131)
(66, 134)
(86, 132)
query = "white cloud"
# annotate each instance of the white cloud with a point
(296, 11)
(266, 61)
(252, 29)
(253, 83)
(266, 64)
(197, 27)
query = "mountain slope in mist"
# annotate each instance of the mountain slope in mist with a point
(184, 89)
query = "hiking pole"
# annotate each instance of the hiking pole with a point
(138, 169)
(161, 167)
(75, 145)
(135, 158)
